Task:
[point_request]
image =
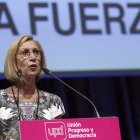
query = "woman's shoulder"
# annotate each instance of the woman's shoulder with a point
(46, 94)
(50, 96)
(6, 91)
(4, 96)
(2, 93)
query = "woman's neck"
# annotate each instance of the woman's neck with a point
(27, 87)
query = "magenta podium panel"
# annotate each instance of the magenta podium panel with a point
(104, 128)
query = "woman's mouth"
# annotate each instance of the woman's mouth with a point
(33, 67)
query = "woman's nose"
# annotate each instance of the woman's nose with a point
(32, 55)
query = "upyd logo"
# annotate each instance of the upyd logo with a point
(55, 130)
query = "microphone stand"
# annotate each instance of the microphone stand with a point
(46, 71)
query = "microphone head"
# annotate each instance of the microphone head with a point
(45, 70)
(19, 73)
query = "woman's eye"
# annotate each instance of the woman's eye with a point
(36, 52)
(24, 53)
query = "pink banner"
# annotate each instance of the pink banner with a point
(106, 128)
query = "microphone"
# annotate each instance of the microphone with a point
(46, 71)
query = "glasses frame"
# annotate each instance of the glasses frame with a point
(26, 53)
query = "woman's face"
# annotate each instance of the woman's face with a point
(29, 59)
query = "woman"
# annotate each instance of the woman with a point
(23, 101)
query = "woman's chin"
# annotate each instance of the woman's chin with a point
(32, 74)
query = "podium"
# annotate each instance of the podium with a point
(104, 128)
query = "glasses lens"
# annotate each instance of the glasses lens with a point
(26, 53)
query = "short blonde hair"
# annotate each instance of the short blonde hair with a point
(10, 66)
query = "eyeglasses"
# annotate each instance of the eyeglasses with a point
(25, 53)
